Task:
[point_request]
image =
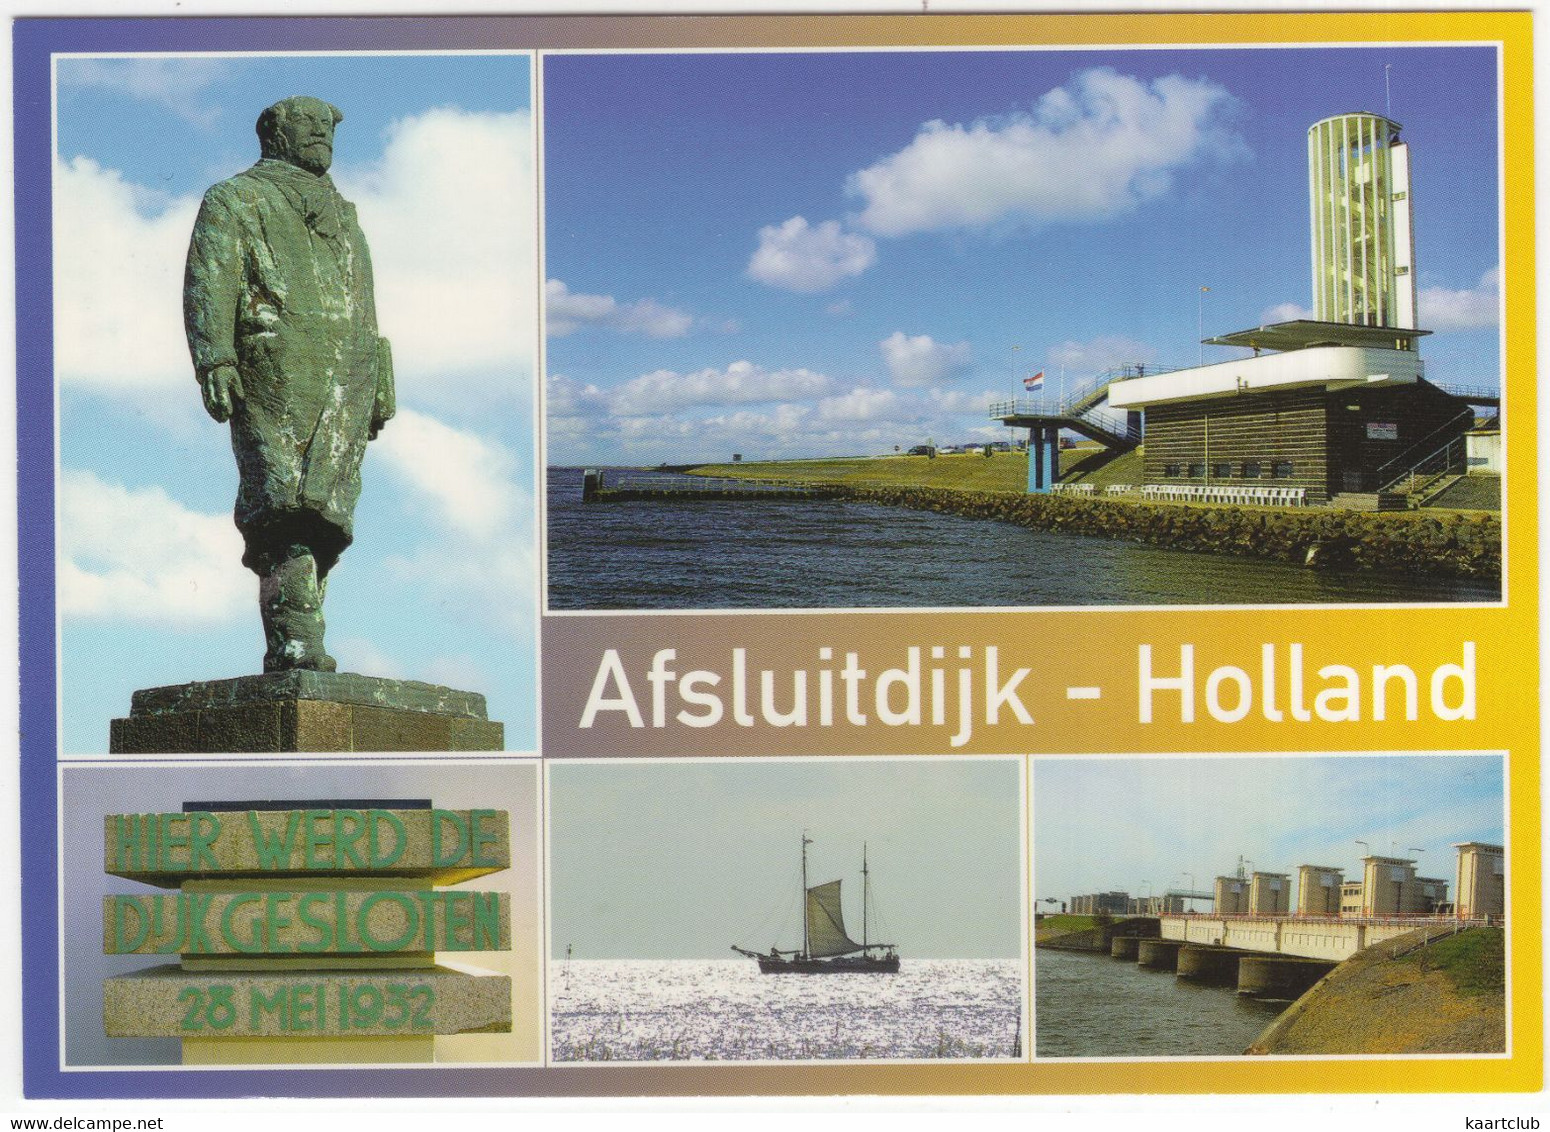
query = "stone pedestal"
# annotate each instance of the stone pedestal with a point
(303, 711)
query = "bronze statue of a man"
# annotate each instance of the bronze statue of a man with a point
(282, 326)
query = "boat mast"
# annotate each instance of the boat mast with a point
(866, 895)
(806, 947)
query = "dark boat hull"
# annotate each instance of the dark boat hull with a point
(840, 964)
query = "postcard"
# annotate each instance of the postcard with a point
(778, 556)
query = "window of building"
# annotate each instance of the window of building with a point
(1221, 471)
(1197, 471)
(1171, 471)
(1282, 469)
(1251, 470)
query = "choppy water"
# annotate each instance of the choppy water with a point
(1092, 1005)
(803, 554)
(654, 1010)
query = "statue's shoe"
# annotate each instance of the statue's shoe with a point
(312, 662)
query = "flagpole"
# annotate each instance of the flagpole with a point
(1014, 369)
(1200, 322)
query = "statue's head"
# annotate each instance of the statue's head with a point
(300, 130)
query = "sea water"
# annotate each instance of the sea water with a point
(812, 554)
(1089, 1004)
(713, 1010)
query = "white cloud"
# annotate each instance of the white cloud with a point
(467, 479)
(448, 212)
(1095, 148)
(796, 256)
(921, 361)
(863, 404)
(173, 83)
(118, 283)
(1475, 309)
(840, 308)
(480, 555)
(566, 311)
(1284, 312)
(1082, 359)
(565, 397)
(740, 383)
(135, 554)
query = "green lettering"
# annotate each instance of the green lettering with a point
(126, 841)
(274, 921)
(342, 925)
(318, 839)
(348, 827)
(123, 941)
(487, 921)
(458, 920)
(441, 858)
(278, 1004)
(381, 858)
(250, 947)
(301, 1008)
(204, 828)
(196, 913)
(411, 922)
(322, 926)
(482, 837)
(171, 840)
(273, 852)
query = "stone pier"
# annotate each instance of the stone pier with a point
(1215, 965)
(1125, 946)
(1158, 954)
(1264, 976)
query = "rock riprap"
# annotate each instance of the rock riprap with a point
(316, 921)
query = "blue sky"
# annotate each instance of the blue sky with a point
(680, 860)
(808, 254)
(436, 152)
(1139, 825)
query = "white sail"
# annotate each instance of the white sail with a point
(826, 923)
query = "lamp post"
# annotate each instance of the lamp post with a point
(1014, 368)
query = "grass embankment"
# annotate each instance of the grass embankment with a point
(1446, 996)
(1002, 471)
(1458, 543)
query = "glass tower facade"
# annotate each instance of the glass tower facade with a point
(1363, 248)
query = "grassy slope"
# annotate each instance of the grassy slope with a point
(1004, 471)
(1445, 998)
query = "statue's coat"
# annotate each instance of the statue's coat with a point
(279, 284)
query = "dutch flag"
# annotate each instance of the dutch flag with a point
(1034, 382)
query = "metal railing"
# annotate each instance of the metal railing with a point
(626, 480)
(1438, 461)
(1475, 394)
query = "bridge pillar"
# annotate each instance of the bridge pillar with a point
(1159, 954)
(1043, 457)
(1277, 976)
(1125, 946)
(1216, 965)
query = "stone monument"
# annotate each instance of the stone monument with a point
(302, 928)
(282, 327)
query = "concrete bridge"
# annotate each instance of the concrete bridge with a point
(1333, 938)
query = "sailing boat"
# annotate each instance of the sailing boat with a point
(826, 949)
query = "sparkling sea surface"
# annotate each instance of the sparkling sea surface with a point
(713, 1010)
(805, 554)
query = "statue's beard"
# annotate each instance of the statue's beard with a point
(314, 157)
